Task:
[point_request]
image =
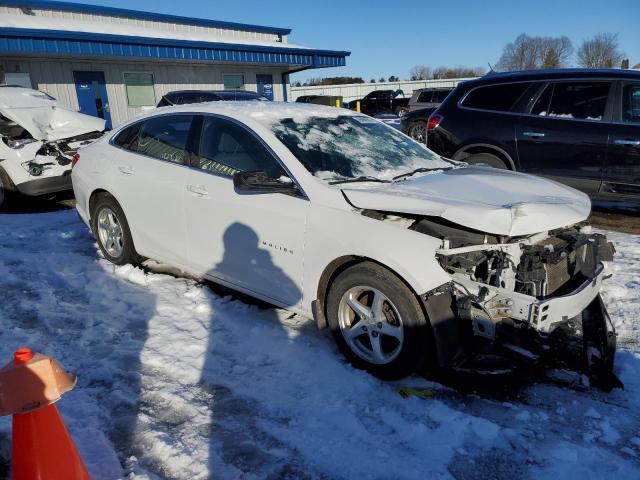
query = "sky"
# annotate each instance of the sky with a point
(389, 37)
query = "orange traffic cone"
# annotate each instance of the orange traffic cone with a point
(42, 447)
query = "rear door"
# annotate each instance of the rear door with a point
(150, 171)
(564, 133)
(622, 170)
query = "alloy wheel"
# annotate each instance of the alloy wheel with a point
(418, 132)
(371, 324)
(110, 232)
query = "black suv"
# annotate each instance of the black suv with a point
(578, 126)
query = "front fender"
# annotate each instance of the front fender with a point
(333, 233)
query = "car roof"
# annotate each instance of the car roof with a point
(432, 88)
(212, 92)
(556, 73)
(264, 113)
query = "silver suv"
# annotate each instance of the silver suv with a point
(428, 97)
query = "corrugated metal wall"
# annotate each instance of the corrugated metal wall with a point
(354, 91)
(171, 27)
(55, 76)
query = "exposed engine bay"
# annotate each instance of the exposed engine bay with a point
(48, 153)
(533, 298)
(39, 137)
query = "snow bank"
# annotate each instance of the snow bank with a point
(176, 381)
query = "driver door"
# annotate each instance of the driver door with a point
(252, 240)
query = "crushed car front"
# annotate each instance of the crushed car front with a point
(524, 270)
(39, 137)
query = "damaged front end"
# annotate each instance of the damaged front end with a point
(535, 299)
(38, 139)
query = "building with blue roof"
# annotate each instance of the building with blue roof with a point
(115, 63)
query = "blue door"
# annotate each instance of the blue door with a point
(92, 95)
(265, 85)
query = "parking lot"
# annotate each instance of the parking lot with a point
(176, 377)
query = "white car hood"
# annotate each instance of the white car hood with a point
(45, 119)
(481, 198)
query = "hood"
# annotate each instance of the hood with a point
(43, 117)
(486, 199)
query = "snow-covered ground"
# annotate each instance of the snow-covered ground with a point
(176, 381)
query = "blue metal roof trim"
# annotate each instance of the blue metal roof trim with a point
(18, 40)
(156, 17)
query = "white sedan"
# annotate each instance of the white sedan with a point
(409, 258)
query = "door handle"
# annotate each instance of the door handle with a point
(199, 190)
(629, 143)
(125, 170)
(533, 134)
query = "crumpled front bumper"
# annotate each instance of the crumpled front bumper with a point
(46, 185)
(543, 315)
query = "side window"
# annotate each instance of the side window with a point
(425, 97)
(128, 138)
(495, 97)
(581, 100)
(165, 137)
(440, 95)
(631, 104)
(226, 148)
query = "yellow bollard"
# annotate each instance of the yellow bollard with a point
(358, 106)
(337, 103)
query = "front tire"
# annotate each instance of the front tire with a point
(111, 230)
(377, 321)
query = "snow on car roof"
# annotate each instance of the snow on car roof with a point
(265, 113)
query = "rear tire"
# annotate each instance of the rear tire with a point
(486, 159)
(111, 230)
(8, 191)
(400, 111)
(418, 131)
(389, 336)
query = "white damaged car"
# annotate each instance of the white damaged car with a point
(38, 138)
(410, 259)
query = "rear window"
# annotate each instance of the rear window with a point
(425, 97)
(500, 98)
(580, 100)
(440, 95)
(165, 137)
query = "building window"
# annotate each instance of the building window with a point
(234, 82)
(139, 88)
(19, 79)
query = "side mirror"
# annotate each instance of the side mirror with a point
(260, 182)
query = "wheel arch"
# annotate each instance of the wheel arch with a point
(93, 198)
(474, 148)
(335, 268)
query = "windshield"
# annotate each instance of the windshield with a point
(353, 146)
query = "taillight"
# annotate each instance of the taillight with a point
(75, 159)
(433, 122)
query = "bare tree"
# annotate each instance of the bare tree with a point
(529, 53)
(420, 72)
(600, 52)
(456, 72)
